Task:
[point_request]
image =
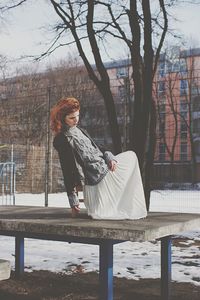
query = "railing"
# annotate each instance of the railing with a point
(7, 183)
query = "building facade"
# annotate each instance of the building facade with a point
(177, 97)
(26, 102)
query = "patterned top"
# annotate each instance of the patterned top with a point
(93, 164)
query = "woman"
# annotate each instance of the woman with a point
(112, 185)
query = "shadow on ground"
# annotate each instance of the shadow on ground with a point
(44, 285)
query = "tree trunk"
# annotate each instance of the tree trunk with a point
(112, 117)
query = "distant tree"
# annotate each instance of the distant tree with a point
(22, 108)
(3, 67)
(176, 102)
(166, 99)
(190, 87)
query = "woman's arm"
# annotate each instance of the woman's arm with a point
(110, 159)
(68, 167)
(108, 156)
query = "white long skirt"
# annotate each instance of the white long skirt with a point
(119, 195)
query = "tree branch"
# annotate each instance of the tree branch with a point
(72, 26)
(7, 7)
(93, 43)
(114, 20)
(165, 28)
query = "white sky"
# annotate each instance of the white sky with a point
(188, 22)
(22, 33)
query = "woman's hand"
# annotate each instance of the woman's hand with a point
(112, 165)
(75, 211)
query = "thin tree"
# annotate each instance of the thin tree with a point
(191, 79)
(167, 124)
(181, 81)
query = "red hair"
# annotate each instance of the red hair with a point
(59, 111)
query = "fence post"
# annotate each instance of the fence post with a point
(47, 146)
(7, 183)
(19, 255)
(106, 270)
(165, 267)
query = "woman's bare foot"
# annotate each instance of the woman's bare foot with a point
(75, 211)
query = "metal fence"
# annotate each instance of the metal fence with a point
(27, 152)
(7, 183)
(26, 136)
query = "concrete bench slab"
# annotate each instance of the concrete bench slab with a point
(57, 224)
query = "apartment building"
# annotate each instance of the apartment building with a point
(177, 96)
(26, 100)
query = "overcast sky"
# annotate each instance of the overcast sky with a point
(24, 33)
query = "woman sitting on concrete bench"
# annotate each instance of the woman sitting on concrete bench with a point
(112, 185)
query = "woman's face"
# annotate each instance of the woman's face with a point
(72, 119)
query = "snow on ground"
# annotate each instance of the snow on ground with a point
(176, 201)
(131, 260)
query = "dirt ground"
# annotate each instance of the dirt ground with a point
(44, 285)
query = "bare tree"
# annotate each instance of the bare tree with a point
(92, 21)
(167, 114)
(3, 66)
(22, 109)
(76, 16)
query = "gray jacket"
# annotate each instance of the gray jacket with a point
(81, 160)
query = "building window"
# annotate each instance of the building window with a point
(161, 129)
(3, 96)
(161, 124)
(183, 66)
(183, 151)
(162, 101)
(184, 135)
(196, 126)
(197, 147)
(183, 87)
(183, 106)
(162, 150)
(176, 66)
(122, 92)
(196, 103)
(162, 117)
(169, 67)
(195, 89)
(183, 126)
(161, 69)
(122, 72)
(184, 115)
(162, 108)
(161, 87)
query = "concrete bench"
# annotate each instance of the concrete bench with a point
(57, 224)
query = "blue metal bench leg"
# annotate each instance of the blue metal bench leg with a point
(19, 255)
(106, 270)
(165, 268)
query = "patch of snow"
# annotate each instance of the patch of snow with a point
(131, 260)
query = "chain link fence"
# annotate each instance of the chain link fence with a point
(26, 138)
